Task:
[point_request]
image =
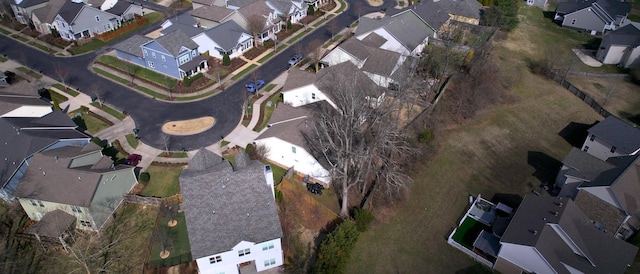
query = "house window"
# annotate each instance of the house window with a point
(215, 259)
(97, 18)
(243, 252)
(40, 203)
(293, 150)
(145, 52)
(585, 149)
(613, 149)
(592, 137)
(153, 54)
(183, 59)
(85, 223)
(33, 203)
(151, 65)
(76, 209)
(573, 21)
(269, 262)
(313, 96)
(267, 246)
(163, 58)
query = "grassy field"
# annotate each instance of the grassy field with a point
(164, 181)
(495, 152)
(618, 96)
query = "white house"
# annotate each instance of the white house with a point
(301, 88)
(292, 10)
(621, 46)
(404, 33)
(227, 38)
(612, 137)
(231, 214)
(287, 146)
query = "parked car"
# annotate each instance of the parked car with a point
(133, 159)
(295, 59)
(254, 87)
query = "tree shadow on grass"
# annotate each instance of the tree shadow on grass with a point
(575, 133)
(634, 118)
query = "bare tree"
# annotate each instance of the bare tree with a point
(61, 72)
(333, 28)
(315, 48)
(100, 93)
(612, 90)
(167, 140)
(359, 139)
(132, 70)
(261, 151)
(256, 25)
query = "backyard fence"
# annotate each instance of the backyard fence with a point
(582, 95)
(184, 258)
(597, 75)
(152, 201)
(471, 254)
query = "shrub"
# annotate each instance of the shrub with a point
(363, 218)
(279, 196)
(334, 252)
(310, 10)
(98, 141)
(187, 81)
(425, 136)
(251, 150)
(145, 177)
(226, 60)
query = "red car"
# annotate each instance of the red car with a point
(133, 159)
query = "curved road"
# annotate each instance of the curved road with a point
(149, 114)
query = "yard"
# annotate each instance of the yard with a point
(164, 181)
(620, 97)
(488, 154)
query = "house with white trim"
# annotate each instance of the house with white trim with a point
(228, 38)
(405, 33)
(612, 137)
(231, 214)
(621, 46)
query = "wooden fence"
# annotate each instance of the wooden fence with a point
(127, 26)
(152, 201)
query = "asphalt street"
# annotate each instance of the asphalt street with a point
(150, 114)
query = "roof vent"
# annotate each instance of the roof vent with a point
(214, 212)
(247, 214)
(44, 173)
(79, 178)
(535, 232)
(555, 213)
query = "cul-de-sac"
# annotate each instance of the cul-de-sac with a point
(320, 136)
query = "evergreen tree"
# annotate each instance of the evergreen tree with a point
(502, 14)
(226, 60)
(334, 251)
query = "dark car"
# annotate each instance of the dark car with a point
(253, 87)
(133, 160)
(295, 59)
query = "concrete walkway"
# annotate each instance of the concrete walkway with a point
(241, 136)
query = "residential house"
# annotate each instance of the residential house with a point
(259, 20)
(54, 229)
(231, 215)
(173, 54)
(385, 67)
(228, 38)
(287, 146)
(317, 3)
(77, 180)
(22, 9)
(621, 47)
(302, 88)
(290, 10)
(537, 3)
(123, 9)
(553, 235)
(201, 3)
(592, 16)
(28, 126)
(404, 33)
(184, 22)
(74, 20)
(211, 16)
(439, 13)
(612, 137)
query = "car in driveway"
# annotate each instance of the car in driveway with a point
(254, 87)
(133, 159)
(295, 59)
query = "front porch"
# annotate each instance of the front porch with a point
(195, 66)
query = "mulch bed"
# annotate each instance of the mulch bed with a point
(310, 18)
(286, 33)
(215, 65)
(254, 52)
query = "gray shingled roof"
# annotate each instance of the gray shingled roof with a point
(203, 2)
(614, 8)
(174, 41)
(53, 224)
(382, 62)
(608, 176)
(344, 72)
(29, 3)
(11, 101)
(531, 226)
(258, 9)
(287, 123)
(189, 30)
(406, 27)
(49, 177)
(119, 8)
(226, 35)
(69, 10)
(628, 35)
(224, 207)
(240, 3)
(602, 212)
(283, 6)
(584, 166)
(132, 45)
(429, 12)
(373, 40)
(355, 48)
(298, 78)
(47, 13)
(572, 5)
(212, 13)
(618, 133)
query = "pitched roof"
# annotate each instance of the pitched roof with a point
(618, 133)
(256, 9)
(174, 41)
(355, 48)
(12, 101)
(607, 177)
(287, 124)
(373, 40)
(203, 2)
(240, 3)
(283, 6)
(189, 30)
(406, 27)
(29, 3)
(47, 13)
(585, 166)
(607, 10)
(609, 216)
(132, 44)
(213, 13)
(50, 177)
(53, 224)
(557, 236)
(224, 206)
(345, 72)
(382, 62)
(119, 8)
(429, 12)
(70, 10)
(298, 78)
(614, 8)
(572, 5)
(226, 35)
(628, 35)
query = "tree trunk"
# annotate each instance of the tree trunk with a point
(344, 208)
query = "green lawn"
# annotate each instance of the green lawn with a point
(298, 36)
(93, 124)
(4, 31)
(131, 140)
(119, 115)
(69, 91)
(3, 59)
(485, 155)
(111, 76)
(269, 87)
(164, 181)
(243, 72)
(175, 154)
(57, 96)
(178, 237)
(266, 57)
(140, 72)
(266, 111)
(195, 97)
(30, 72)
(467, 232)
